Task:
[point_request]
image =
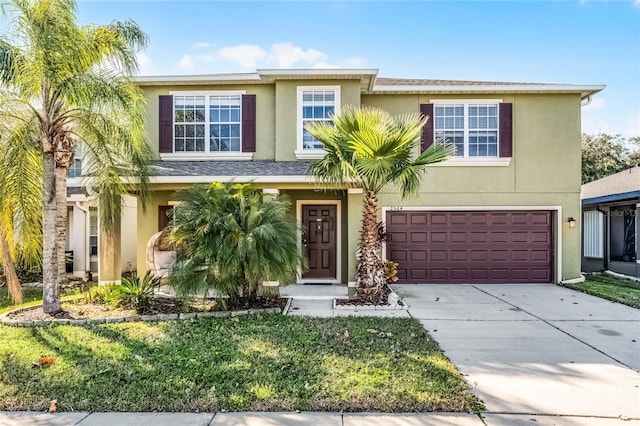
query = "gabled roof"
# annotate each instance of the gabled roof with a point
(370, 83)
(620, 186)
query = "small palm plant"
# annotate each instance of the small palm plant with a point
(368, 148)
(231, 238)
(134, 292)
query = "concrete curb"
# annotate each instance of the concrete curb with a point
(4, 318)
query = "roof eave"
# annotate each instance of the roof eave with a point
(584, 91)
(612, 198)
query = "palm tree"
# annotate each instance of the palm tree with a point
(232, 239)
(368, 148)
(73, 81)
(20, 205)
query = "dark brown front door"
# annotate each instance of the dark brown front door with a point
(319, 224)
(471, 246)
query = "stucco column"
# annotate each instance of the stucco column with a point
(270, 288)
(110, 268)
(79, 240)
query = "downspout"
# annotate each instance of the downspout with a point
(87, 218)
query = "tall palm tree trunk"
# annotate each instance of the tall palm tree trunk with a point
(50, 288)
(370, 279)
(10, 276)
(61, 220)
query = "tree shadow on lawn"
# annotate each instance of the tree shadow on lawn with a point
(260, 362)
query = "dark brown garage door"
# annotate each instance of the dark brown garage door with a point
(471, 247)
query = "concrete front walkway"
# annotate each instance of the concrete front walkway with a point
(537, 350)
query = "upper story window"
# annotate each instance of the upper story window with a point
(472, 128)
(207, 123)
(315, 103)
(75, 168)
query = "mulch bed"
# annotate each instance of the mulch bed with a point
(384, 300)
(161, 305)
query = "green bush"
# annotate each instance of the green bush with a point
(97, 294)
(134, 293)
(231, 238)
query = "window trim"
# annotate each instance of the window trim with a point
(493, 161)
(196, 155)
(300, 152)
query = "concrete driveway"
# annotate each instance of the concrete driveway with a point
(539, 350)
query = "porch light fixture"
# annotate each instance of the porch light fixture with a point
(572, 222)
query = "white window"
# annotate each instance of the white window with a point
(593, 232)
(93, 231)
(471, 127)
(207, 122)
(75, 168)
(315, 104)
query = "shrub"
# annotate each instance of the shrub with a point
(97, 295)
(134, 293)
(231, 238)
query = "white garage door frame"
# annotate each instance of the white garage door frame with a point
(557, 223)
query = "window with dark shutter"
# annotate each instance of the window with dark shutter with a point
(166, 124)
(248, 123)
(506, 130)
(426, 139)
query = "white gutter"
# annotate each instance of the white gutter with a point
(492, 88)
(252, 179)
(574, 280)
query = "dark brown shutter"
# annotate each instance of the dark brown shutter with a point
(427, 131)
(166, 124)
(248, 123)
(506, 131)
(164, 216)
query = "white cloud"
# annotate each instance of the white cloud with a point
(205, 58)
(246, 55)
(284, 55)
(596, 103)
(633, 121)
(636, 3)
(325, 65)
(354, 62)
(186, 63)
(202, 45)
(145, 64)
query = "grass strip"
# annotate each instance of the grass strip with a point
(262, 362)
(607, 287)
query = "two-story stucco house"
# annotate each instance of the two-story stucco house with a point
(497, 212)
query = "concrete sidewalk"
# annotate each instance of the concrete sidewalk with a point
(538, 350)
(237, 419)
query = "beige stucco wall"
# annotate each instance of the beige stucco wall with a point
(265, 119)
(544, 170)
(286, 110)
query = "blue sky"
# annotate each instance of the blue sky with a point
(578, 42)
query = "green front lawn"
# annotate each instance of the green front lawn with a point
(262, 362)
(611, 288)
(31, 296)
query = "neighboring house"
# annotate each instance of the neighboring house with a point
(497, 212)
(83, 226)
(610, 208)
